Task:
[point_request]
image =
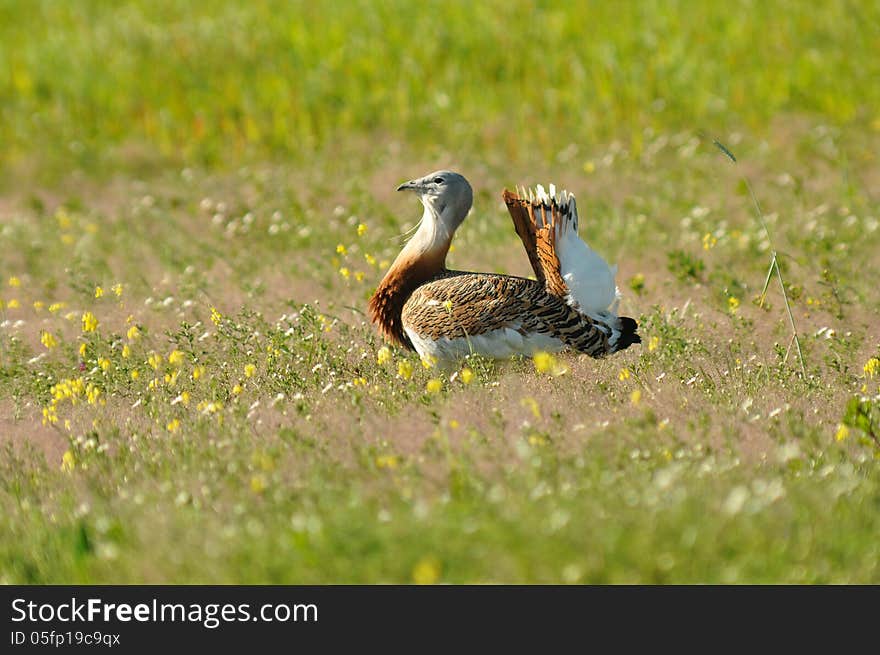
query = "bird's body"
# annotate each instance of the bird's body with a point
(494, 315)
(448, 315)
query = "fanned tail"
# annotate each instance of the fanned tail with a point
(547, 224)
(538, 221)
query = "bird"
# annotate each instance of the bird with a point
(446, 315)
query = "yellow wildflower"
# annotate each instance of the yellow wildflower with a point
(872, 367)
(429, 361)
(434, 385)
(635, 397)
(547, 363)
(176, 358)
(341, 250)
(104, 363)
(216, 316)
(173, 425)
(532, 404)
(404, 369)
(14, 281)
(447, 305)
(126, 351)
(361, 229)
(68, 461)
(589, 166)
(89, 322)
(637, 283)
(236, 390)
(99, 292)
(155, 360)
(258, 483)
(82, 350)
(359, 276)
(384, 355)
(538, 440)
(48, 340)
(387, 461)
(653, 343)
(134, 333)
(426, 571)
(135, 374)
(198, 372)
(842, 432)
(38, 305)
(709, 241)
(263, 460)
(250, 370)
(344, 272)
(92, 393)
(55, 307)
(206, 407)
(623, 375)
(732, 304)
(13, 304)
(543, 361)
(117, 289)
(49, 415)
(466, 375)
(370, 259)
(63, 218)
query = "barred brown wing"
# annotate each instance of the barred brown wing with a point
(461, 305)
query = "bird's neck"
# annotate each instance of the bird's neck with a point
(421, 260)
(432, 239)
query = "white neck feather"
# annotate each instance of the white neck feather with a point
(432, 237)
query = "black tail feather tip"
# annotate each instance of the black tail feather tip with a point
(628, 334)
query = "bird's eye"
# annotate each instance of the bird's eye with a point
(438, 180)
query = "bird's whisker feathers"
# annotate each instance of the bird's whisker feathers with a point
(401, 238)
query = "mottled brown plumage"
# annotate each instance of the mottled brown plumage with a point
(458, 304)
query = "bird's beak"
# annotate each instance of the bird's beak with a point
(412, 185)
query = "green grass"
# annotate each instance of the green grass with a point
(211, 158)
(210, 83)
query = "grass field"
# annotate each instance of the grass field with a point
(197, 200)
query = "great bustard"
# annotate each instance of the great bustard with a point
(446, 315)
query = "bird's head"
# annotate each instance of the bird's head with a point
(446, 195)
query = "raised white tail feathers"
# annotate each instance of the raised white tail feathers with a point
(589, 278)
(547, 223)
